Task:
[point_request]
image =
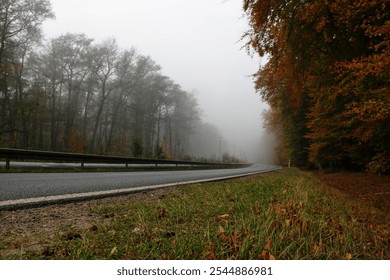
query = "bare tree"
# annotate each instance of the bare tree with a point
(20, 29)
(105, 59)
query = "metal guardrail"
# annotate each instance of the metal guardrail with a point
(18, 154)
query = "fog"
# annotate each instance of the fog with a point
(197, 44)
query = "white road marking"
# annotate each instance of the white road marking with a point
(90, 195)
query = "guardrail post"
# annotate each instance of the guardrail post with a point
(7, 164)
(82, 165)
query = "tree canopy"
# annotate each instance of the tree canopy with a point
(73, 94)
(326, 79)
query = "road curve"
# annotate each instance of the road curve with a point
(30, 189)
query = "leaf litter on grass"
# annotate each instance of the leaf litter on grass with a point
(286, 215)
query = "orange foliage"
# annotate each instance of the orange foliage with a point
(327, 78)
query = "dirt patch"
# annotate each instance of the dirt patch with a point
(371, 188)
(48, 219)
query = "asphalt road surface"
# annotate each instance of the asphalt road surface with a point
(18, 189)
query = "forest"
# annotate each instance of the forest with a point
(73, 94)
(326, 80)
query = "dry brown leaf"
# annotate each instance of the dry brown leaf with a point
(224, 217)
(235, 239)
(268, 245)
(316, 248)
(113, 251)
(210, 255)
(266, 256)
(276, 225)
(225, 238)
(221, 230)
(262, 256)
(162, 213)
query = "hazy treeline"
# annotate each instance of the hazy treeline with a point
(327, 79)
(73, 94)
(100, 99)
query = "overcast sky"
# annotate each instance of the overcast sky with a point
(197, 44)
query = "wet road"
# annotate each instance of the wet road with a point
(20, 186)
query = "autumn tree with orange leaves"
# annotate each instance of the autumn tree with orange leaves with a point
(326, 79)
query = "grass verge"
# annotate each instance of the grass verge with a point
(286, 215)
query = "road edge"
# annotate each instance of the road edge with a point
(77, 197)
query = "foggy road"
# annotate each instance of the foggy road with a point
(41, 188)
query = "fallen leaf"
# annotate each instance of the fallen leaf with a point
(113, 251)
(234, 240)
(210, 255)
(316, 248)
(162, 213)
(263, 256)
(276, 225)
(136, 230)
(224, 217)
(221, 230)
(268, 245)
(225, 238)
(266, 256)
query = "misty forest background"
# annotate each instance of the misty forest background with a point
(72, 94)
(326, 82)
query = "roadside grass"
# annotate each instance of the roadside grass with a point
(284, 215)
